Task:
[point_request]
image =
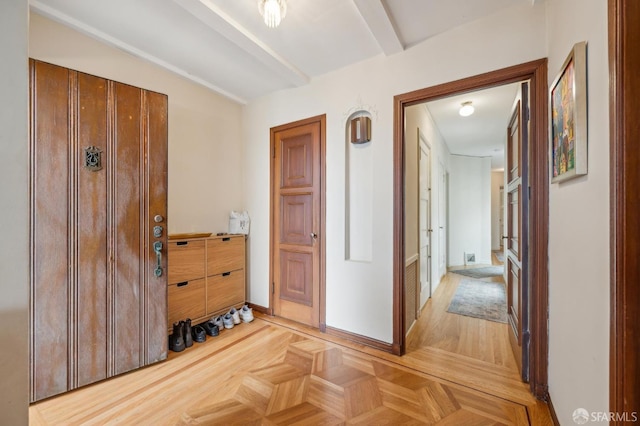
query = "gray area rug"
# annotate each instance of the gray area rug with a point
(486, 272)
(499, 256)
(480, 299)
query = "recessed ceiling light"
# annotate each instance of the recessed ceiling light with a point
(466, 109)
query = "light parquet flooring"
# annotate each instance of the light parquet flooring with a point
(457, 371)
(272, 374)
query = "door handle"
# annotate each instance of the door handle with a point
(157, 247)
(505, 237)
(314, 235)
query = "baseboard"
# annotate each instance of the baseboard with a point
(260, 309)
(552, 411)
(363, 340)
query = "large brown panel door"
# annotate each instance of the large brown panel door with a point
(297, 220)
(517, 231)
(98, 179)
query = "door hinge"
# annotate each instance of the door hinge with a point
(273, 288)
(273, 151)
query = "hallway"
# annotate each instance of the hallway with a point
(472, 337)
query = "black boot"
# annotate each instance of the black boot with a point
(186, 332)
(176, 339)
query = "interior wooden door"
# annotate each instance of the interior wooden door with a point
(297, 211)
(98, 177)
(517, 231)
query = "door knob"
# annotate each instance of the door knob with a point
(314, 235)
(157, 248)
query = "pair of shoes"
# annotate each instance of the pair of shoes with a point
(246, 313)
(183, 336)
(176, 339)
(218, 321)
(235, 315)
(210, 328)
(199, 334)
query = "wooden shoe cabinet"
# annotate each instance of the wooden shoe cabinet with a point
(206, 277)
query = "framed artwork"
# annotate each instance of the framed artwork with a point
(568, 121)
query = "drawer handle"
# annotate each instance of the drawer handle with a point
(182, 284)
(182, 243)
(226, 239)
(224, 274)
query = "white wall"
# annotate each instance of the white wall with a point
(205, 164)
(359, 295)
(579, 229)
(418, 117)
(359, 196)
(497, 180)
(14, 193)
(469, 209)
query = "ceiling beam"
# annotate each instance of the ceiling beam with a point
(219, 21)
(381, 25)
(56, 15)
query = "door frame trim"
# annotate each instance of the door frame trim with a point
(624, 355)
(536, 72)
(322, 119)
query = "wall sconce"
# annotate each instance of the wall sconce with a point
(360, 129)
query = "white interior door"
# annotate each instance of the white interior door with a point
(442, 220)
(425, 220)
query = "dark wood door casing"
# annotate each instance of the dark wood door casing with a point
(97, 308)
(536, 73)
(624, 104)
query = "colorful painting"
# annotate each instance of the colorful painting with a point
(563, 133)
(568, 108)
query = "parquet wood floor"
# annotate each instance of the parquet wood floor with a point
(276, 372)
(272, 375)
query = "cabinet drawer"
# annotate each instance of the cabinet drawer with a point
(186, 261)
(225, 254)
(186, 300)
(225, 290)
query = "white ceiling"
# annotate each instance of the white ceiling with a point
(225, 46)
(482, 134)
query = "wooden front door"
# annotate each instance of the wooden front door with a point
(98, 178)
(517, 231)
(297, 219)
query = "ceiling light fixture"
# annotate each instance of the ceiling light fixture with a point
(273, 11)
(466, 109)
